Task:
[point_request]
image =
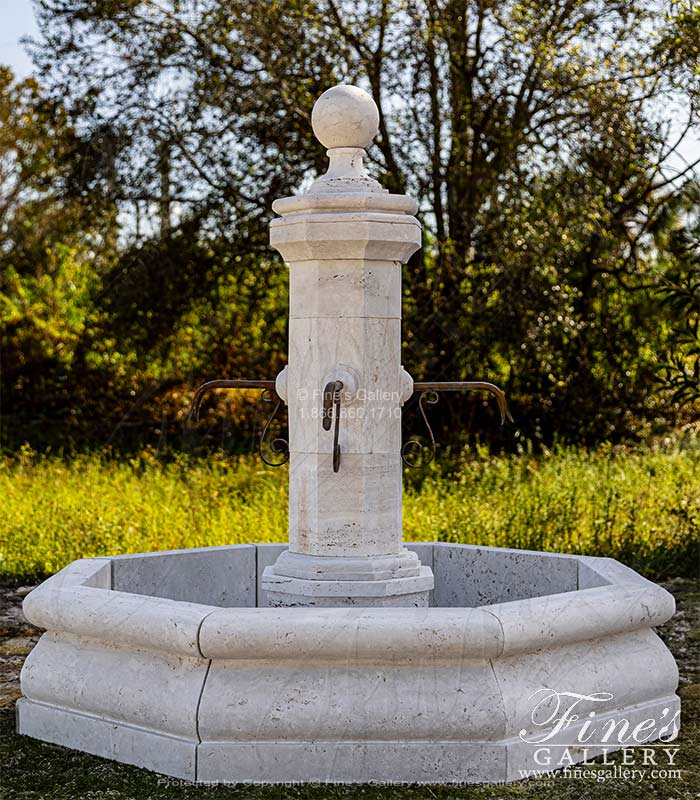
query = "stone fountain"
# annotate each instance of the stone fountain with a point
(347, 656)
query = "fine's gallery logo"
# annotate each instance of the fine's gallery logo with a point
(570, 728)
(587, 720)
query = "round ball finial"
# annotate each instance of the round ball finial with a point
(345, 116)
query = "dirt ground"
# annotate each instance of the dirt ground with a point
(17, 637)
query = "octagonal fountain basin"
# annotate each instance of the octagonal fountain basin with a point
(172, 662)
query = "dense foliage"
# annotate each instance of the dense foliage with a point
(542, 140)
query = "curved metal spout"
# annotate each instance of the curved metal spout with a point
(331, 413)
(428, 391)
(223, 384)
(279, 447)
(467, 386)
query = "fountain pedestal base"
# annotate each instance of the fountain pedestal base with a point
(410, 592)
(297, 579)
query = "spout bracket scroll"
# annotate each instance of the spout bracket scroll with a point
(279, 446)
(428, 393)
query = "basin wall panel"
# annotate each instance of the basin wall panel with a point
(216, 576)
(364, 700)
(589, 578)
(467, 575)
(148, 689)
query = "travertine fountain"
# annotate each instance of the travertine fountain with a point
(346, 655)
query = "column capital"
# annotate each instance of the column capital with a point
(345, 214)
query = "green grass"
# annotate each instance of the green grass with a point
(642, 507)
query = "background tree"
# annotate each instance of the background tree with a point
(58, 238)
(537, 138)
(679, 231)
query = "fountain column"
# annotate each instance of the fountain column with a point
(344, 241)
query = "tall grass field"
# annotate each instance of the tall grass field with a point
(641, 507)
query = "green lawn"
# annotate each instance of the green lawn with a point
(642, 507)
